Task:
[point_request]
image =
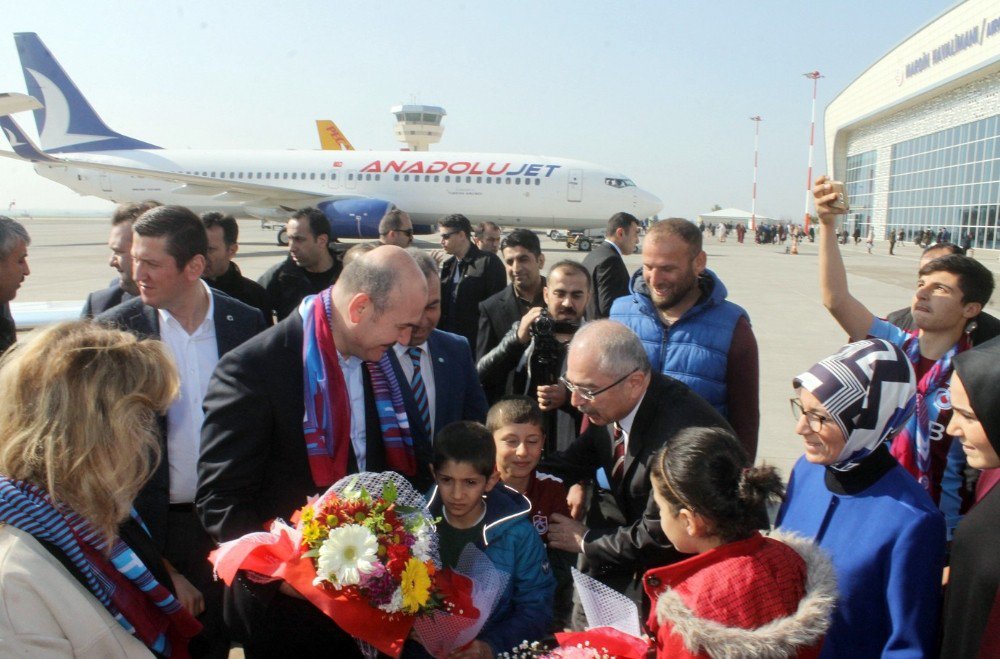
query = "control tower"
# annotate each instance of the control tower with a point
(418, 125)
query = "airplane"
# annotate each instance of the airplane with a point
(331, 138)
(354, 189)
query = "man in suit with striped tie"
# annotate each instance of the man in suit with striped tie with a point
(632, 413)
(438, 366)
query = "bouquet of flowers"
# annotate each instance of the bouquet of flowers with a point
(365, 553)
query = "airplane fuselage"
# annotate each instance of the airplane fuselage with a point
(510, 189)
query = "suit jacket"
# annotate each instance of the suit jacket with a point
(483, 275)
(608, 279)
(253, 468)
(668, 407)
(107, 298)
(458, 395)
(235, 322)
(496, 315)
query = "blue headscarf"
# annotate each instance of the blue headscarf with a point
(869, 390)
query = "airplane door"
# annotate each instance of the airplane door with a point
(105, 182)
(574, 189)
(351, 181)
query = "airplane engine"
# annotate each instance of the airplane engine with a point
(354, 218)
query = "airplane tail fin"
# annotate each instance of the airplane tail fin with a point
(21, 143)
(67, 122)
(331, 138)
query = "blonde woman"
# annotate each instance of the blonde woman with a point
(78, 575)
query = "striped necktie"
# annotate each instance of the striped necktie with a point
(618, 452)
(420, 391)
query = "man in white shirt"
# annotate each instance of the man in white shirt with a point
(198, 325)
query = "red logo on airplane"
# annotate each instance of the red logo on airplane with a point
(338, 164)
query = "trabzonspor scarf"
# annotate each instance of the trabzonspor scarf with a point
(868, 389)
(913, 445)
(326, 424)
(144, 607)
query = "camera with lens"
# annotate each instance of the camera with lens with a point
(548, 352)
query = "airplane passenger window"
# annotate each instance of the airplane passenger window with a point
(447, 179)
(406, 177)
(508, 180)
(479, 179)
(322, 177)
(241, 174)
(436, 178)
(489, 179)
(378, 177)
(333, 177)
(267, 175)
(295, 175)
(517, 181)
(284, 175)
(538, 181)
(468, 179)
(312, 176)
(213, 174)
(350, 177)
(427, 178)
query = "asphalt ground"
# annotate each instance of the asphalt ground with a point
(68, 259)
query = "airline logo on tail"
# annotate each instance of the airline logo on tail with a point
(67, 122)
(331, 138)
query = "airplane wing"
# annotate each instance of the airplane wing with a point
(331, 138)
(11, 102)
(256, 195)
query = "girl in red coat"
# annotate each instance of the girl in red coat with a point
(742, 594)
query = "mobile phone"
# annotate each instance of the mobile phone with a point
(841, 201)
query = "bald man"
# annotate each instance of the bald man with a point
(254, 464)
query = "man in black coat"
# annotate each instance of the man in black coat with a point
(467, 278)
(198, 326)
(611, 382)
(254, 466)
(122, 289)
(224, 275)
(608, 275)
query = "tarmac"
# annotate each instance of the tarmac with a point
(69, 259)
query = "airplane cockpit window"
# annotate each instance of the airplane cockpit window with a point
(619, 182)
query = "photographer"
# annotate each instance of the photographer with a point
(530, 358)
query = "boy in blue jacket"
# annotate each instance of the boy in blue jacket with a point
(474, 509)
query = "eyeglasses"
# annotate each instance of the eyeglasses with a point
(589, 395)
(446, 236)
(408, 232)
(814, 420)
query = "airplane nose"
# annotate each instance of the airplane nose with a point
(647, 204)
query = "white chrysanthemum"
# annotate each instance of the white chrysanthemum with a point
(347, 553)
(422, 546)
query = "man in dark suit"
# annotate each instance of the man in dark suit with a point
(447, 389)
(523, 259)
(198, 326)
(120, 244)
(468, 277)
(608, 274)
(632, 412)
(254, 465)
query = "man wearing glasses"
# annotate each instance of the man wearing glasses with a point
(395, 228)
(633, 412)
(468, 277)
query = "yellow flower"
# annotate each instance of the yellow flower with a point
(415, 585)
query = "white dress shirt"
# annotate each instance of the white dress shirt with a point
(196, 355)
(426, 372)
(351, 367)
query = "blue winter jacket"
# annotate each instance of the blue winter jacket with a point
(695, 349)
(524, 612)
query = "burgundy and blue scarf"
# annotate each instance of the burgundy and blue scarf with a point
(118, 578)
(327, 420)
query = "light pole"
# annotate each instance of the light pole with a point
(814, 76)
(753, 203)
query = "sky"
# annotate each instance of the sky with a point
(661, 91)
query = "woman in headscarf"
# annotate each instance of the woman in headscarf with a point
(972, 605)
(884, 534)
(79, 576)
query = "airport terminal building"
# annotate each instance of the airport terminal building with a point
(916, 137)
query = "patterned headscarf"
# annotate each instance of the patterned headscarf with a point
(868, 388)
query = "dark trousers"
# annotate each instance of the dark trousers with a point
(187, 548)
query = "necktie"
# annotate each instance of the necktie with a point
(420, 391)
(618, 452)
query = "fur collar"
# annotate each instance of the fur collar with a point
(784, 637)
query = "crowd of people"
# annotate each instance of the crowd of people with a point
(586, 417)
